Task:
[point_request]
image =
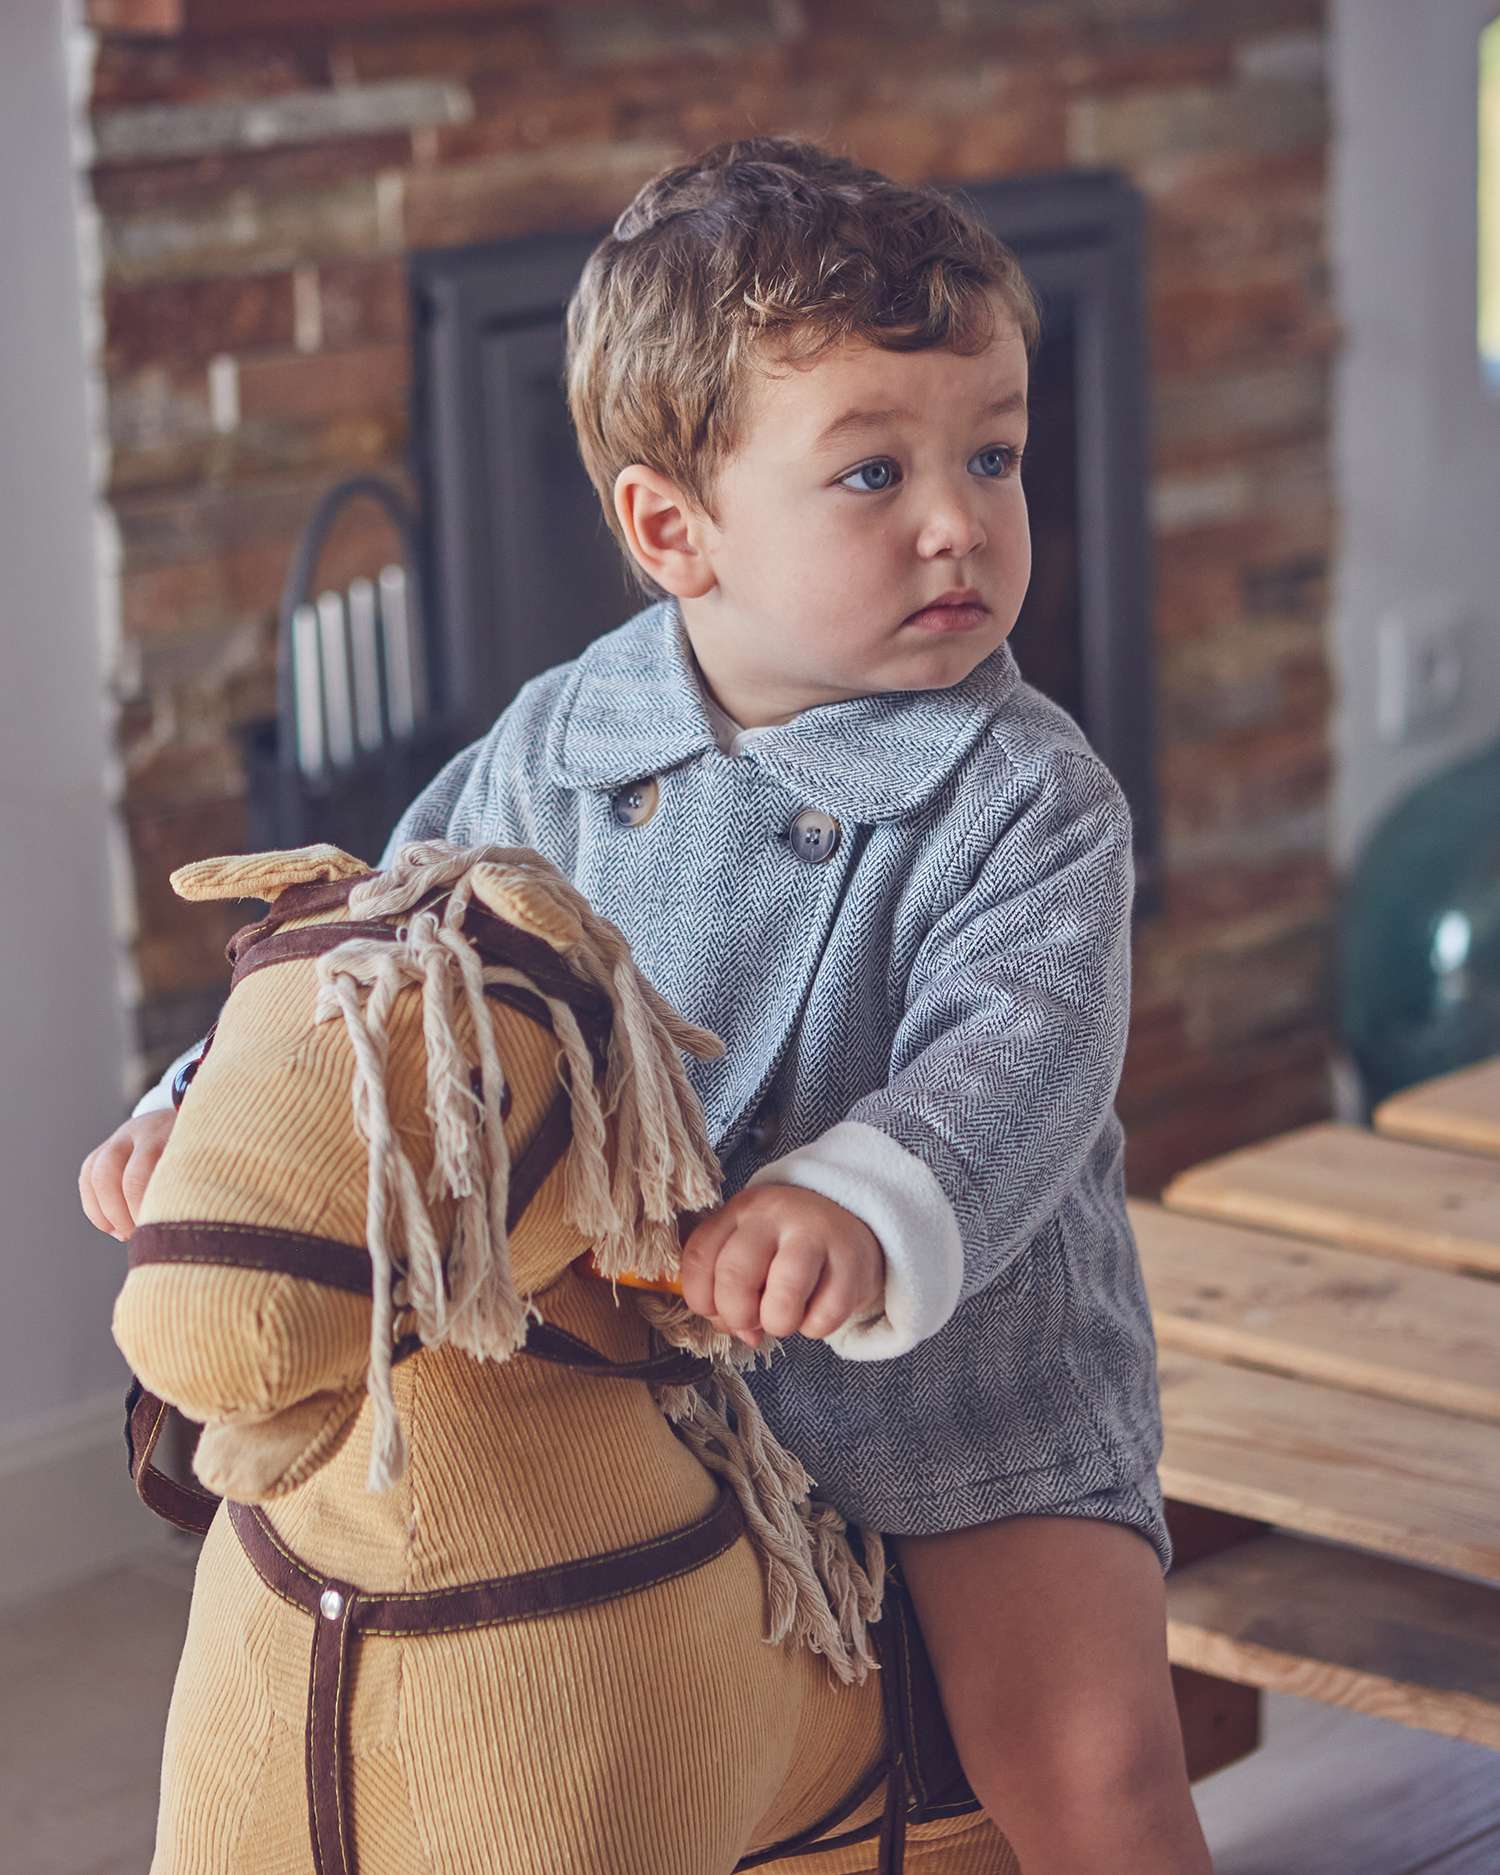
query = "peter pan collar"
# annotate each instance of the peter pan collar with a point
(633, 706)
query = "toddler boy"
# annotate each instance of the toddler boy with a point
(810, 786)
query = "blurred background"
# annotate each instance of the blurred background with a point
(255, 248)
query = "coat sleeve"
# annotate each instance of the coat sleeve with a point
(1006, 1061)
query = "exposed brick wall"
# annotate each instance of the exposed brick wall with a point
(255, 200)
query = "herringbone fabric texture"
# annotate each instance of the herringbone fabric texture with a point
(956, 975)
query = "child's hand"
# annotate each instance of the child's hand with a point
(112, 1180)
(782, 1260)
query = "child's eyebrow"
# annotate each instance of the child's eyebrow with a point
(852, 420)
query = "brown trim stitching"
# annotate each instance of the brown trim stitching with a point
(597, 1600)
(726, 1510)
(913, 1775)
(336, 1718)
(184, 1505)
(326, 1260)
(279, 947)
(309, 1735)
(373, 1599)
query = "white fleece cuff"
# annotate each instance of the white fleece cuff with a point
(892, 1191)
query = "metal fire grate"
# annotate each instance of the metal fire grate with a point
(358, 728)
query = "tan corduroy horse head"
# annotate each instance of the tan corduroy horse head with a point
(505, 1540)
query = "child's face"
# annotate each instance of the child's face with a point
(828, 546)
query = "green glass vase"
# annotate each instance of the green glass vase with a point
(1419, 933)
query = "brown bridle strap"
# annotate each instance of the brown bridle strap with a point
(311, 940)
(498, 1601)
(339, 1265)
(182, 1504)
(346, 1266)
(329, 1260)
(496, 942)
(295, 901)
(340, 1611)
(311, 1259)
(676, 1367)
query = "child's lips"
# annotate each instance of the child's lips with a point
(949, 618)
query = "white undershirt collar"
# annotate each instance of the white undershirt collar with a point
(731, 736)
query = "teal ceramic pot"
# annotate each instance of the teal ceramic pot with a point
(1419, 933)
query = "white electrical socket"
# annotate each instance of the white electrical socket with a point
(1421, 667)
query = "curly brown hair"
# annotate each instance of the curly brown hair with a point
(764, 247)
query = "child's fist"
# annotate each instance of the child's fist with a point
(112, 1179)
(782, 1260)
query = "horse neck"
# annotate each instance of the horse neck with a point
(511, 1465)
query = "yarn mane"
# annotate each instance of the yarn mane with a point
(645, 1119)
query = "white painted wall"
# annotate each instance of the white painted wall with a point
(61, 1380)
(1417, 433)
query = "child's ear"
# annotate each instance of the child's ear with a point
(263, 875)
(664, 531)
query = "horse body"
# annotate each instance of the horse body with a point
(648, 1733)
(645, 1733)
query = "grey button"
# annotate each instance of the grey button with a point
(332, 1604)
(634, 806)
(814, 836)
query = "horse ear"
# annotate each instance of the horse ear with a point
(522, 899)
(263, 875)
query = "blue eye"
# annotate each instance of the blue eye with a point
(995, 463)
(998, 460)
(881, 466)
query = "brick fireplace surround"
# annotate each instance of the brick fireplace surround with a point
(259, 171)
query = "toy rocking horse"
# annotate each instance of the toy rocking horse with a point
(487, 1591)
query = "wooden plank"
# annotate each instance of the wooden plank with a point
(1197, 1532)
(1219, 1720)
(1348, 1186)
(1418, 1485)
(1350, 1629)
(1341, 1317)
(1459, 1110)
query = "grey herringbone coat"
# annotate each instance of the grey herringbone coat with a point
(955, 975)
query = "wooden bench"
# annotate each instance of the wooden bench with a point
(1327, 1308)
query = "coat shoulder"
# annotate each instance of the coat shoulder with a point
(1031, 748)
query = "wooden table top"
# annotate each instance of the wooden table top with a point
(1327, 1311)
(1460, 1110)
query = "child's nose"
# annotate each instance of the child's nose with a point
(953, 526)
